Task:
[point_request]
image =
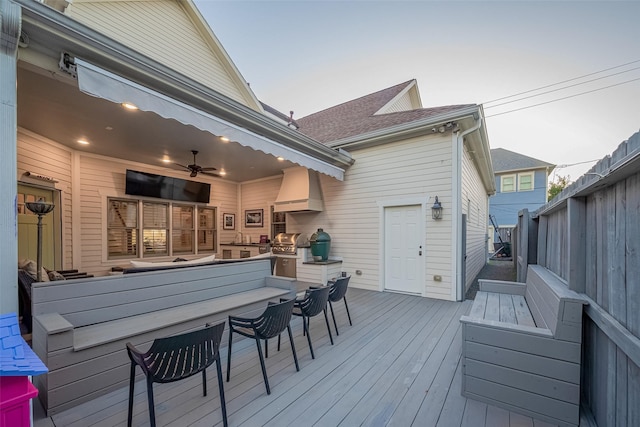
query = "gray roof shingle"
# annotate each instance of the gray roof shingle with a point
(357, 117)
(505, 160)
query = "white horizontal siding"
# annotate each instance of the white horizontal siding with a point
(258, 195)
(418, 168)
(475, 204)
(162, 31)
(40, 155)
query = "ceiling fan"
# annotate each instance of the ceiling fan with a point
(195, 168)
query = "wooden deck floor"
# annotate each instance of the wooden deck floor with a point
(398, 365)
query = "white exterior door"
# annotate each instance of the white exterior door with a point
(403, 250)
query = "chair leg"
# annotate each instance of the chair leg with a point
(264, 369)
(266, 349)
(229, 353)
(306, 329)
(204, 382)
(223, 404)
(335, 325)
(132, 380)
(152, 408)
(293, 348)
(347, 307)
(326, 320)
(279, 342)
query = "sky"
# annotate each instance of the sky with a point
(306, 56)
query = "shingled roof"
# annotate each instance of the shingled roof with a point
(358, 116)
(505, 160)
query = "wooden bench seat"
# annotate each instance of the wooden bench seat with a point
(81, 327)
(115, 330)
(522, 347)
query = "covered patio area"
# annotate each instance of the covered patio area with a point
(399, 365)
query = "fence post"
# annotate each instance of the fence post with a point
(577, 222)
(543, 224)
(532, 247)
(523, 245)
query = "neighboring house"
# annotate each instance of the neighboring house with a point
(382, 159)
(521, 183)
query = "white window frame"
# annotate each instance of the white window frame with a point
(140, 228)
(520, 175)
(515, 183)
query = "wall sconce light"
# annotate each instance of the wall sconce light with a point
(436, 210)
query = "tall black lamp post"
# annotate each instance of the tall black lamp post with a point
(40, 208)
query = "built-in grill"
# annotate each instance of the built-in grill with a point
(287, 243)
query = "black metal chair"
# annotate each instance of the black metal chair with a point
(313, 303)
(339, 292)
(271, 323)
(24, 298)
(175, 358)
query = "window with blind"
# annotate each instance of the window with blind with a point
(183, 229)
(508, 183)
(122, 228)
(525, 181)
(154, 228)
(278, 223)
(206, 230)
(163, 229)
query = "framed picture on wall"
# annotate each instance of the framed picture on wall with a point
(228, 221)
(254, 218)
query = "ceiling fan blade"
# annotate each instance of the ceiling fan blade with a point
(208, 169)
(193, 173)
(210, 174)
(183, 166)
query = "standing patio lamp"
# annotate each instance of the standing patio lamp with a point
(40, 208)
(436, 210)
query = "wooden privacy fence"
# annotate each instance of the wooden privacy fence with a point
(589, 235)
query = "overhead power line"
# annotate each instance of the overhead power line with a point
(563, 98)
(561, 82)
(559, 89)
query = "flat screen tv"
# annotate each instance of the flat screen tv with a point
(165, 187)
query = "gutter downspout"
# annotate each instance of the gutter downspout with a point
(457, 208)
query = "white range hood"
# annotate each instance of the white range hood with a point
(300, 191)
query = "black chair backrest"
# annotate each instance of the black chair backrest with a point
(339, 289)
(315, 300)
(25, 281)
(180, 356)
(274, 320)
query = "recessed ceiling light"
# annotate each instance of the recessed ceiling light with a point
(166, 159)
(222, 173)
(83, 142)
(109, 128)
(224, 139)
(280, 158)
(129, 106)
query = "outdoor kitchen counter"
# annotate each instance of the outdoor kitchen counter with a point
(327, 262)
(243, 244)
(318, 271)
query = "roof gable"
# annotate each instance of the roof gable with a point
(405, 100)
(505, 160)
(365, 114)
(171, 32)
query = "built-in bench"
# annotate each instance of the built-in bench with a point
(80, 327)
(522, 347)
